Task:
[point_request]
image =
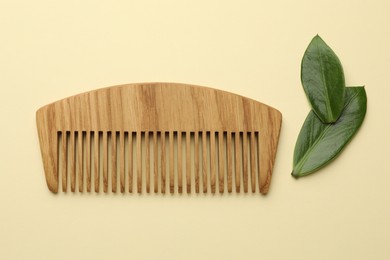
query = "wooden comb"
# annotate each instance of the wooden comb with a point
(158, 136)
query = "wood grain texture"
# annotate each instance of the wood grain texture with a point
(219, 137)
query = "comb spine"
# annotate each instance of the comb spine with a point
(48, 141)
(266, 162)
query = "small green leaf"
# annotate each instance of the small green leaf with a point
(319, 143)
(323, 80)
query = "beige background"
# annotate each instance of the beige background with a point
(54, 49)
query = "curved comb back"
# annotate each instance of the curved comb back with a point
(162, 132)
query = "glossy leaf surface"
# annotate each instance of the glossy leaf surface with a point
(319, 143)
(323, 80)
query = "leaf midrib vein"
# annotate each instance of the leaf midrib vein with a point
(308, 152)
(328, 108)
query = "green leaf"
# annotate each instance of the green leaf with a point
(323, 80)
(319, 143)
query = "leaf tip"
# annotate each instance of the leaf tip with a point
(296, 176)
(317, 37)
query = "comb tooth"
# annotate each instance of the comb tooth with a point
(113, 162)
(88, 160)
(105, 162)
(179, 162)
(130, 162)
(257, 145)
(72, 168)
(147, 162)
(58, 174)
(253, 163)
(237, 153)
(212, 161)
(96, 160)
(64, 159)
(229, 161)
(155, 161)
(171, 166)
(204, 161)
(188, 161)
(139, 162)
(245, 161)
(122, 160)
(196, 140)
(221, 163)
(163, 162)
(260, 164)
(80, 160)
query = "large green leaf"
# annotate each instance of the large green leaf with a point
(323, 80)
(319, 143)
